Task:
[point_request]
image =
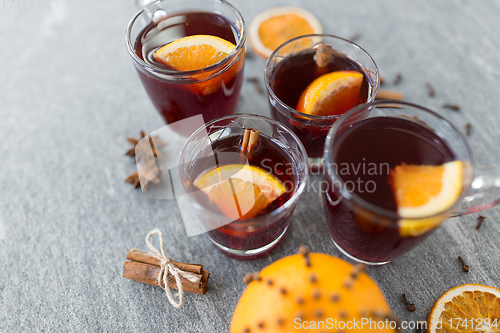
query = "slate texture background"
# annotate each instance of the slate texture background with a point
(70, 96)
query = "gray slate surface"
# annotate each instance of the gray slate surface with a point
(69, 98)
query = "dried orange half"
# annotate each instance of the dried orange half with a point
(240, 191)
(331, 94)
(198, 52)
(425, 190)
(273, 27)
(466, 308)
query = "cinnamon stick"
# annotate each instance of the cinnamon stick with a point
(249, 143)
(389, 94)
(322, 57)
(148, 273)
(145, 268)
(144, 257)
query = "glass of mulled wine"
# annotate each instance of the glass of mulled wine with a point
(189, 55)
(243, 176)
(393, 173)
(311, 80)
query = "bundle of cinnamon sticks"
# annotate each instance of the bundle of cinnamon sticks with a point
(145, 268)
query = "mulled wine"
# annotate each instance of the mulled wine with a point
(289, 75)
(243, 175)
(267, 160)
(364, 154)
(212, 91)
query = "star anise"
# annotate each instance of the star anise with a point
(133, 179)
(158, 144)
(147, 167)
(149, 172)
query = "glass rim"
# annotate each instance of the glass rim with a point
(219, 67)
(376, 84)
(466, 178)
(260, 219)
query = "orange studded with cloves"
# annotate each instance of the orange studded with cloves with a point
(305, 290)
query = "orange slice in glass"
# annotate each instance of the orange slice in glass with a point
(197, 52)
(332, 94)
(466, 308)
(425, 190)
(240, 191)
(194, 52)
(275, 26)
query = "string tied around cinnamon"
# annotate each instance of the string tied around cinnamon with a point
(166, 267)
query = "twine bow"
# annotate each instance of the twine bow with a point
(167, 267)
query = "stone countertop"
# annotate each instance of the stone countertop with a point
(69, 98)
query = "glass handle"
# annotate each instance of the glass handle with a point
(484, 192)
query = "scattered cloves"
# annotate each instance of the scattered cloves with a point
(468, 128)
(410, 306)
(398, 79)
(480, 220)
(430, 90)
(465, 267)
(454, 107)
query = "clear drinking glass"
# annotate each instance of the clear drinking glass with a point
(311, 130)
(212, 91)
(373, 235)
(284, 158)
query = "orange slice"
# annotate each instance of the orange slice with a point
(198, 52)
(425, 190)
(240, 191)
(466, 308)
(275, 26)
(194, 52)
(332, 94)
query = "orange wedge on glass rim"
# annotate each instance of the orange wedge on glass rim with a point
(197, 52)
(425, 190)
(466, 308)
(275, 26)
(240, 191)
(332, 94)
